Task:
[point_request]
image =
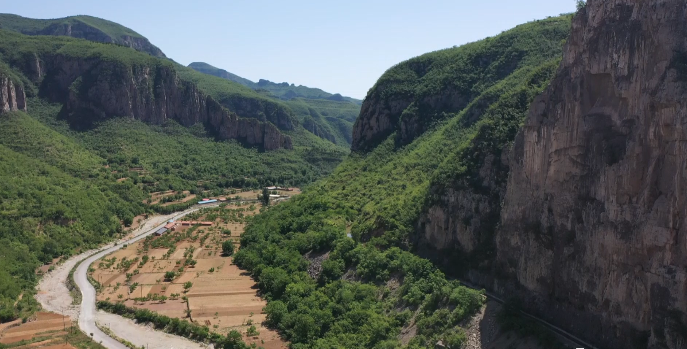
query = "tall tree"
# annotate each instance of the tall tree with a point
(265, 197)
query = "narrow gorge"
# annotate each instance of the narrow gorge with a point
(592, 227)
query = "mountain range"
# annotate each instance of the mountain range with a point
(542, 166)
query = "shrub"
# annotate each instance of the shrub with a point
(228, 248)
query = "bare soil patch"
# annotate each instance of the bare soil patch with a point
(43, 329)
(217, 293)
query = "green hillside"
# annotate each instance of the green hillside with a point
(64, 190)
(371, 286)
(328, 115)
(221, 73)
(282, 90)
(84, 27)
(333, 118)
(57, 197)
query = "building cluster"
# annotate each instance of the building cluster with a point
(172, 226)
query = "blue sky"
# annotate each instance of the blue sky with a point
(338, 46)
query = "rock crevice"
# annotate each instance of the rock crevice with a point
(593, 223)
(12, 96)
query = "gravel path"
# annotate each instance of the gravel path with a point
(54, 296)
(143, 336)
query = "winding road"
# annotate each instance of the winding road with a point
(88, 312)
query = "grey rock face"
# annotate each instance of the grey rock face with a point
(12, 96)
(93, 90)
(594, 224)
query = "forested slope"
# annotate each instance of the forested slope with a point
(82, 27)
(88, 131)
(444, 117)
(328, 116)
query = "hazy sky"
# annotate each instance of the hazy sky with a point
(338, 46)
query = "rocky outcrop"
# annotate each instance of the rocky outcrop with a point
(93, 90)
(462, 218)
(75, 27)
(262, 110)
(12, 96)
(594, 224)
(378, 119)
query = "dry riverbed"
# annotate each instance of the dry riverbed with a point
(54, 296)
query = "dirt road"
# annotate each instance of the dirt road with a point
(54, 296)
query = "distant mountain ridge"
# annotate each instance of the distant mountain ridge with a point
(282, 90)
(81, 27)
(328, 116)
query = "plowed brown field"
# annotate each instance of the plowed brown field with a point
(44, 330)
(222, 296)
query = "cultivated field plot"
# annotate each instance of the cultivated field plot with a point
(46, 331)
(183, 273)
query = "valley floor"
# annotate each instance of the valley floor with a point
(220, 296)
(54, 296)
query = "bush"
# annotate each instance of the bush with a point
(176, 326)
(228, 248)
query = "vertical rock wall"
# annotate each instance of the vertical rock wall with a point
(12, 95)
(594, 225)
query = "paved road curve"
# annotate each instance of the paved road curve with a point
(88, 311)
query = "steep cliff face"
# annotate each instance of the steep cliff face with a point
(378, 119)
(408, 116)
(318, 130)
(413, 96)
(93, 90)
(594, 224)
(12, 96)
(257, 109)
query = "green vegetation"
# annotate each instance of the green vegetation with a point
(332, 119)
(220, 73)
(371, 285)
(510, 318)
(65, 190)
(234, 97)
(329, 116)
(282, 90)
(360, 310)
(228, 248)
(176, 326)
(52, 205)
(80, 27)
(173, 157)
(73, 336)
(441, 84)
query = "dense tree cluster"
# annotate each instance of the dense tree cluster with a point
(357, 311)
(363, 217)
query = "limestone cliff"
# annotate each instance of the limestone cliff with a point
(594, 224)
(590, 229)
(414, 96)
(93, 90)
(12, 96)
